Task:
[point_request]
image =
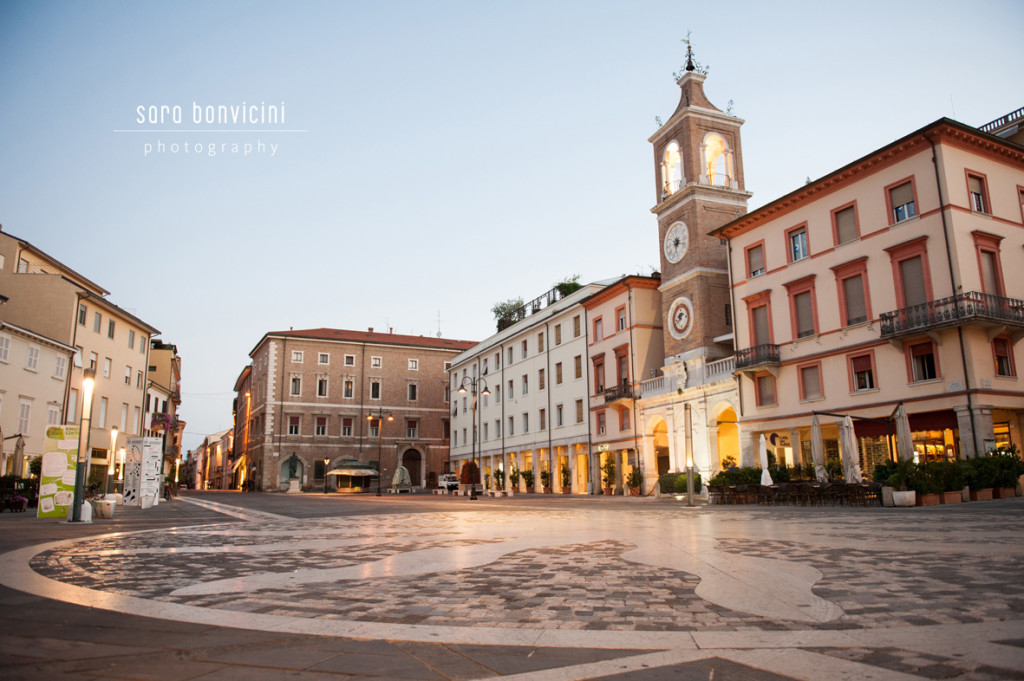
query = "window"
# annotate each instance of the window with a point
(414, 365)
(5, 348)
(851, 281)
(987, 248)
(525, 350)
(24, 416)
(599, 373)
(412, 392)
(910, 271)
(558, 334)
(576, 326)
(540, 342)
(138, 378)
(623, 418)
(497, 361)
(510, 359)
(102, 420)
(511, 429)
(1003, 354)
(844, 224)
(497, 394)
(558, 373)
(82, 312)
(349, 387)
(323, 358)
(526, 422)
(106, 367)
(579, 411)
(374, 390)
(497, 428)
(131, 339)
(598, 329)
(296, 385)
(764, 390)
(755, 259)
(124, 418)
(486, 431)
(559, 417)
(810, 382)
(73, 406)
(350, 360)
(297, 356)
(601, 423)
(321, 425)
(93, 358)
(411, 428)
(802, 308)
(321, 387)
(977, 190)
(671, 169)
(110, 329)
(143, 342)
(797, 239)
(127, 375)
(60, 366)
(293, 425)
(542, 419)
(97, 322)
(376, 362)
(901, 201)
(135, 416)
(52, 415)
(483, 371)
(578, 362)
(923, 366)
(526, 384)
(346, 426)
(620, 319)
(540, 380)
(32, 358)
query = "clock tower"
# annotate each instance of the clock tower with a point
(699, 187)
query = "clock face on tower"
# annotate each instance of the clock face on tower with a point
(677, 239)
(680, 318)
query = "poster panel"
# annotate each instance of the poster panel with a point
(142, 471)
(57, 478)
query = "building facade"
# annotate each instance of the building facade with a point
(320, 397)
(163, 399)
(50, 299)
(887, 281)
(535, 415)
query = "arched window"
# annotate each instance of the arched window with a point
(672, 169)
(717, 161)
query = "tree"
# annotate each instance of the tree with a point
(568, 285)
(508, 312)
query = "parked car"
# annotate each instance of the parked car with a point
(448, 481)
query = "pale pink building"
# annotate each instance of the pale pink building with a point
(892, 279)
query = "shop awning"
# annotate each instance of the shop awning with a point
(354, 472)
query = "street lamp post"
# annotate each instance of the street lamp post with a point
(88, 383)
(689, 456)
(380, 415)
(326, 462)
(474, 384)
(110, 459)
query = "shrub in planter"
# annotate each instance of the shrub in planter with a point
(737, 476)
(780, 473)
(635, 479)
(1008, 469)
(565, 478)
(528, 479)
(468, 475)
(513, 477)
(883, 471)
(545, 480)
(675, 483)
(608, 474)
(901, 474)
(986, 471)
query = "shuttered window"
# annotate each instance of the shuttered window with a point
(863, 375)
(761, 334)
(989, 277)
(902, 201)
(810, 382)
(755, 260)
(846, 225)
(804, 314)
(912, 278)
(853, 291)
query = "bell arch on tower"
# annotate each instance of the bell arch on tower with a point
(672, 176)
(717, 162)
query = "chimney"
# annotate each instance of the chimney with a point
(370, 330)
(391, 329)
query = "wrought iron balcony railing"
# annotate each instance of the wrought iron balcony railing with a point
(759, 355)
(963, 308)
(618, 392)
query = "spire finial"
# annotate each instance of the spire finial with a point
(691, 63)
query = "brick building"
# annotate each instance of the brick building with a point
(314, 399)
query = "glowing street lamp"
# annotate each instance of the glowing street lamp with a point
(473, 384)
(327, 462)
(110, 459)
(380, 434)
(88, 383)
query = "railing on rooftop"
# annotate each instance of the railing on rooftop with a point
(1003, 120)
(534, 306)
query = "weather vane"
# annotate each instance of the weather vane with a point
(691, 63)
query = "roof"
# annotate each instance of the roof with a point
(620, 285)
(152, 330)
(58, 263)
(371, 337)
(944, 127)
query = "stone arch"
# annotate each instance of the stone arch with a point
(657, 430)
(672, 177)
(716, 158)
(413, 461)
(286, 467)
(726, 440)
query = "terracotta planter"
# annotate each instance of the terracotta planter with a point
(547, 490)
(951, 497)
(981, 494)
(931, 499)
(906, 498)
(529, 490)
(634, 491)
(1004, 493)
(607, 491)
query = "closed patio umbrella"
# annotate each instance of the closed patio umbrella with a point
(766, 477)
(818, 450)
(851, 459)
(904, 439)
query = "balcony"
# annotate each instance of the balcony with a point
(766, 355)
(971, 308)
(618, 393)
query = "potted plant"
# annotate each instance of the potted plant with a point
(983, 478)
(528, 480)
(899, 477)
(635, 481)
(565, 473)
(513, 479)
(468, 476)
(1009, 469)
(608, 475)
(545, 481)
(881, 474)
(499, 480)
(924, 482)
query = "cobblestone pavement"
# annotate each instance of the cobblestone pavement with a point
(556, 588)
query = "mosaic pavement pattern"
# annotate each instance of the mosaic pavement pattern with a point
(855, 591)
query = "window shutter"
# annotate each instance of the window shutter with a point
(811, 382)
(975, 184)
(761, 335)
(901, 194)
(756, 257)
(862, 363)
(853, 290)
(804, 314)
(912, 274)
(846, 225)
(988, 273)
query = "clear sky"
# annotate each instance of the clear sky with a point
(455, 154)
